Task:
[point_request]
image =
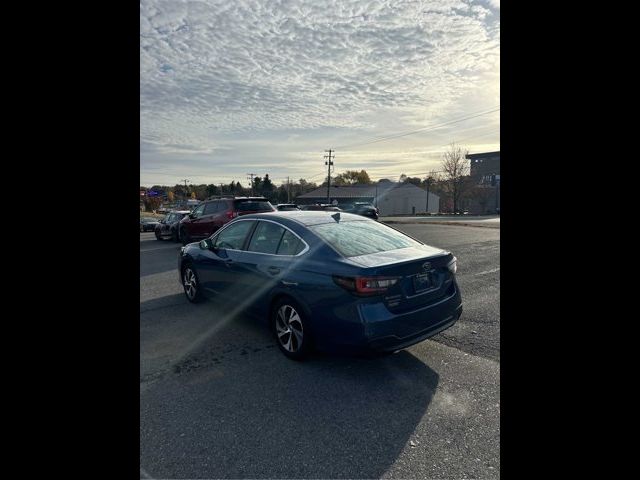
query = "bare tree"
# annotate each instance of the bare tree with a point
(455, 173)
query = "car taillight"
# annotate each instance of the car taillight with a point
(366, 285)
(232, 214)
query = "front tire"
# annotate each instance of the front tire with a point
(291, 329)
(191, 284)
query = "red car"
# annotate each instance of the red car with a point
(212, 214)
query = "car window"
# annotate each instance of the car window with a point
(290, 244)
(351, 239)
(233, 236)
(210, 208)
(198, 210)
(266, 238)
(168, 218)
(253, 206)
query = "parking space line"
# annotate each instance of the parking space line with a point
(488, 271)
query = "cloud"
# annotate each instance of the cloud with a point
(219, 73)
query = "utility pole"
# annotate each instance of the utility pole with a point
(288, 191)
(186, 190)
(220, 188)
(329, 164)
(428, 181)
(250, 178)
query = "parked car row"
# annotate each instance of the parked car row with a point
(210, 215)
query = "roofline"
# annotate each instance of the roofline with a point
(485, 154)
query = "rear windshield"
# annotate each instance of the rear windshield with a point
(253, 206)
(351, 239)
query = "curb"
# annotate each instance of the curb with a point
(460, 224)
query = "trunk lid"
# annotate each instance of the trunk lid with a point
(424, 277)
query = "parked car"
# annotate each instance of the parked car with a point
(168, 226)
(325, 280)
(148, 224)
(365, 209)
(283, 207)
(322, 206)
(212, 214)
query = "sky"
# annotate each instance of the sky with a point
(229, 88)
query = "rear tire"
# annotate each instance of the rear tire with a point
(291, 329)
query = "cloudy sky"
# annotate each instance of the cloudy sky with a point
(229, 87)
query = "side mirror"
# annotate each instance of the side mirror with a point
(206, 244)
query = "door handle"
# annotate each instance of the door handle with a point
(273, 270)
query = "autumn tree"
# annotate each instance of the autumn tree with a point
(351, 177)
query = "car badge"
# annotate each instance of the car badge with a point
(426, 265)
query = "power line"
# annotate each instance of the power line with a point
(423, 129)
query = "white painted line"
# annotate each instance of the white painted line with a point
(488, 271)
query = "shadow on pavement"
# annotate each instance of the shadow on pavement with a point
(255, 414)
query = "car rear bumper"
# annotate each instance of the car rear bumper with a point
(385, 330)
(370, 325)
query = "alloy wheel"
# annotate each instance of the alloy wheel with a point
(190, 283)
(289, 328)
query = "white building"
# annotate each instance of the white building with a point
(391, 198)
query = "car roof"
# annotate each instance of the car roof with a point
(307, 217)
(180, 211)
(234, 198)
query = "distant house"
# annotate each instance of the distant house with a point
(485, 171)
(391, 198)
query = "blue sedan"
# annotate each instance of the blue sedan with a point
(330, 280)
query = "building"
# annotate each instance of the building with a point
(485, 172)
(391, 198)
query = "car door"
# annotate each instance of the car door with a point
(191, 224)
(217, 268)
(165, 224)
(266, 262)
(203, 225)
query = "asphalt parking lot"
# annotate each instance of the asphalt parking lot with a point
(218, 400)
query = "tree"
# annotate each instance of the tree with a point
(417, 181)
(351, 177)
(455, 170)
(257, 185)
(212, 190)
(151, 203)
(171, 196)
(267, 187)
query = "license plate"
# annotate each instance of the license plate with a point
(422, 281)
